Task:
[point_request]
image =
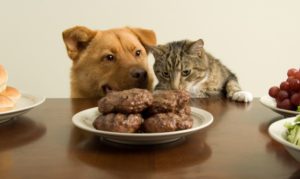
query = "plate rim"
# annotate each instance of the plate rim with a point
(277, 129)
(265, 98)
(76, 122)
(40, 100)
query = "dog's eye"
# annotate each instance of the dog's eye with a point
(186, 72)
(138, 53)
(109, 57)
(166, 74)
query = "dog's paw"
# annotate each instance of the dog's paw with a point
(242, 96)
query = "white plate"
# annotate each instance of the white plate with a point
(278, 133)
(24, 104)
(271, 103)
(84, 120)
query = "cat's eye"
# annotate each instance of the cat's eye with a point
(109, 58)
(186, 72)
(138, 53)
(166, 74)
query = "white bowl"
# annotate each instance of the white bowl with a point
(277, 130)
(271, 104)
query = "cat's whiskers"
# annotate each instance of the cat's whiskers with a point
(194, 87)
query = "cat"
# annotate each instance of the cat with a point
(186, 65)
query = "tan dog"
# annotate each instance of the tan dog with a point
(114, 59)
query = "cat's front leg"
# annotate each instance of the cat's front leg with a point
(234, 92)
(242, 96)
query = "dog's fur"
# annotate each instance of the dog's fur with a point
(114, 59)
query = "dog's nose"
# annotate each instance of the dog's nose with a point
(138, 73)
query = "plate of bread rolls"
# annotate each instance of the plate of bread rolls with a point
(12, 101)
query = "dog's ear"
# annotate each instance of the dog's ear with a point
(77, 39)
(146, 37)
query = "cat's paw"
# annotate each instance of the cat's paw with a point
(242, 96)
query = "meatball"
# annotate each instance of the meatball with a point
(161, 122)
(167, 122)
(119, 122)
(185, 110)
(185, 122)
(169, 101)
(164, 111)
(127, 101)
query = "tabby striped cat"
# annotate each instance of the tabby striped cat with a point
(185, 65)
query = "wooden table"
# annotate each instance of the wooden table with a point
(44, 143)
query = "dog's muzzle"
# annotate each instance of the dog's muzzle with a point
(138, 74)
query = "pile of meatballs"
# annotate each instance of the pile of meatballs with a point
(139, 110)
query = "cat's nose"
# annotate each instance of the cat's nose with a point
(177, 86)
(138, 73)
(174, 87)
(175, 82)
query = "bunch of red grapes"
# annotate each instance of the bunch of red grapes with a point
(287, 95)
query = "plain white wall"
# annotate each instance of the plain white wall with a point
(258, 40)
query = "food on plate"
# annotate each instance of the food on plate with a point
(138, 110)
(293, 131)
(185, 110)
(127, 101)
(6, 104)
(170, 111)
(287, 94)
(9, 95)
(3, 78)
(167, 122)
(119, 122)
(169, 101)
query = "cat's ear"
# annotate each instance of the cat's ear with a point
(156, 50)
(196, 47)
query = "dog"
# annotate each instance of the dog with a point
(108, 60)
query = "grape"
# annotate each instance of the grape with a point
(285, 104)
(295, 99)
(282, 94)
(292, 72)
(285, 86)
(273, 91)
(290, 78)
(294, 84)
(297, 75)
(287, 94)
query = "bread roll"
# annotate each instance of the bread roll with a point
(6, 104)
(3, 78)
(11, 93)
(8, 95)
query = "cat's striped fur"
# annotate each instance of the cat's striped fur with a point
(185, 65)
